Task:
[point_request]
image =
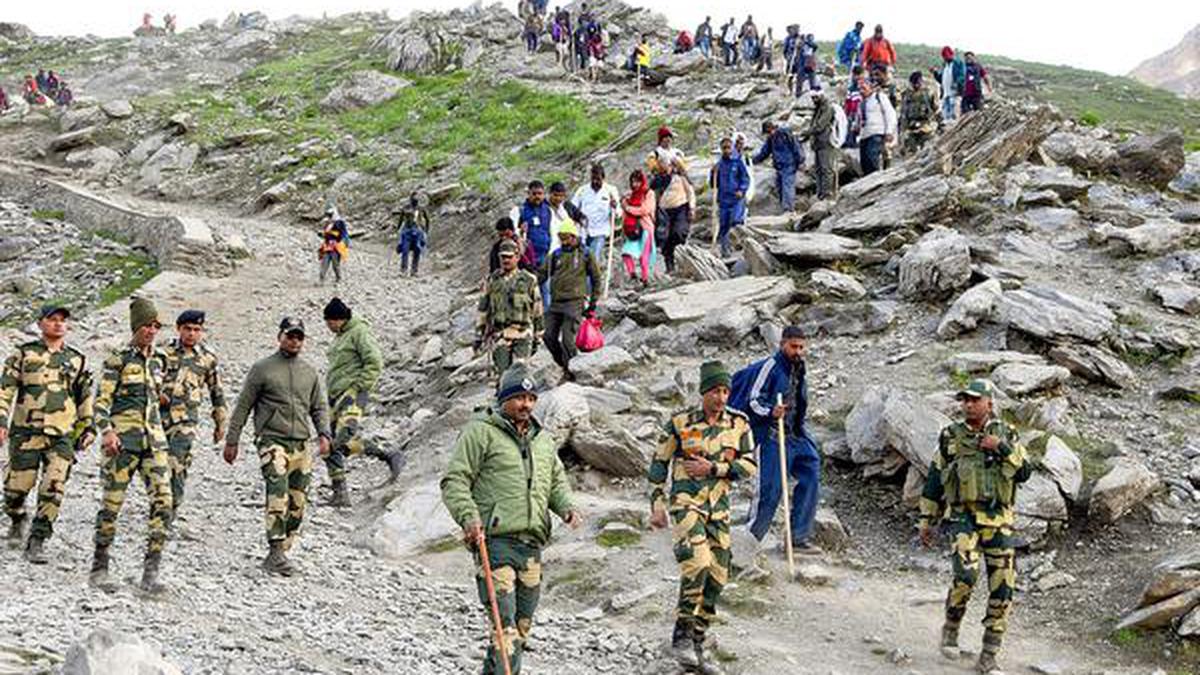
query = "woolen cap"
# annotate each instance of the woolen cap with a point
(336, 310)
(142, 312)
(713, 374)
(516, 380)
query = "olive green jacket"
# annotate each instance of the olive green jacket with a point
(284, 392)
(355, 361)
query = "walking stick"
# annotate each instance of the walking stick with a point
(787, 507)
(639, 79)
(612, 218)
(501, 645)
(715, 216)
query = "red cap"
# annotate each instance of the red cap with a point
(663, 132)
(947, 53)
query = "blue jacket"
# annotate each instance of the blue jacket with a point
(789, 47)
(537, 218)
(782, 148)
(732, 177)
(850, 46)
(755, 388)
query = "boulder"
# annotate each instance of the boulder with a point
(1094, 364)
(889, 419)
(247, 43)
(611, 449)
(363, 89)
(1178, 296)
(432, 350)
(699, 264)
(592, 368)
(1161, 614)
(828, 531)
(172, 158)
(973, 363)
(1051, 219)
(73, 139)
(811, 248)
(1063, 465)
(1153, 158)
(1188, 180)
(938, 264)
(1057, 179)
(118, 109)
(1019, 379)
(911, 203)
(78, 118)
(692, 302)
(738, 94)
(561, 410)
(99, 161)
(15, 32)
(676, 65)
(1050, 314)
(1126, 484)
(976, 305)
(603, 401)
(1154, 237)
(412, 522)
(1079, 151)
(836, 285)
(859, 318)
(1039, 497)
(760, 261)
(108, 652)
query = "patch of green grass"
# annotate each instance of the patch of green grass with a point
(112, 235)
(743, 599)
(1126, 637)
(72, 253)
(1192, 146)
(443, 545)
(618, 539)
(49, 214)
(960, 379)
(1089, 118)
(1093, 454)
(133, 271)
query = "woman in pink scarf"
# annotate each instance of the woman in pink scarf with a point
(638, 227)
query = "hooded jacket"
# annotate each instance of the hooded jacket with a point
(354, 360)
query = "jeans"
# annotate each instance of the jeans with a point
(331, 260)
(531, 41)
(948, 107)
(705, 45)
(595, 247)
(804, 465)
(785, 184)
(545, 288)
(730, 216)
(870, 153)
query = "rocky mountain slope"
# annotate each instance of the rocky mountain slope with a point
(1177, 69)
(1057, 258)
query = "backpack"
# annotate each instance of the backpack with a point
(631, 227)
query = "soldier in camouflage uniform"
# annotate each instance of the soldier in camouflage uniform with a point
(355, 363)
(918, 114)
(284, 393)
(705, 450)
(510, 311)
(970, 490)
(133, 441)
(46, 400)
(190, 368)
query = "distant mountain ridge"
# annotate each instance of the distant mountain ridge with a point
(1177, 69)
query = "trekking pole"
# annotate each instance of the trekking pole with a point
(787, 507)
(612, 218)
(639, 78)
(501, 646)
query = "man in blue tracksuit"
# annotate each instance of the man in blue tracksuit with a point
(787, 156)
(849, 51)
(732, 181)
(533, 222)
(755, 391)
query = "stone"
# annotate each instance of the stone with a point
(837, 285)
(1050, 314)
(1051, 220)
(240, 139)
(938, 264)
(247, 43)
(1063, 465)
(1168, 583)
(108, 652)
(410, 49)
(973, 363)
(431, 351)
(78, 118)
(1047, 668)
(1153, 237)
(99, 161)
(1161, 614)
(117, 109)
(412, 522)
(1127, 483)
(1057, 179)
(1039, 497)
(1094, 364)
(173, 158)
(561, 410)
(16, 32)
(699, 264)
(630, 598)
(976, 305)
(458, 358)
(675, 65)
(147, 147)
(911, 203)
(814, 574)
(1154, 159)
(73, 139)
(1019, 379)
(363, 89)
(760, 261)
(828, 531)
(592, 368)
(691, 302)
(611, 449)
(1178, 296)
(888, 419)
(603, 401)
(1189, 626)
(1188, 180)
(1054, 580)
(1079, 151)
(859, 318)
(738, 94)
(811, 248)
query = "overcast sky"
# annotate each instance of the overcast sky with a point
(1110, 37)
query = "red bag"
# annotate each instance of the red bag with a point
(589, 338)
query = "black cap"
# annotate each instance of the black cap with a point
(54, 308)
(190, 316)
(336, 310)
(291, 324)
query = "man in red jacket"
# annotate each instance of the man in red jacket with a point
(877, 49)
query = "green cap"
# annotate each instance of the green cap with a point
(142, 312)
(713, 374)
(977, 389)
(509, 247)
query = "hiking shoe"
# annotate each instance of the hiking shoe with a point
(807, 548)
(276, 561)
(16, 530)
(950, 649)
(683, 650)
(150, 569)
(98, 577)
(35, 551)
(986, 665)
(341, 494)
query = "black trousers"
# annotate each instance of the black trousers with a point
(562, 323)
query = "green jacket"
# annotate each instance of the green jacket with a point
(508, 483)
(569, 271)
(285, 394)
(354, 360)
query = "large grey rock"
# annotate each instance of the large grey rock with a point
(108, 652)
(1126, 484)
(247, 43)
(858, 318)
(675, 65)
(592, 368)
(973, 363)
(1059, 180)
(1178, 296)
(1079, 151)
(938, 264)
(146, 147)
(611, 449)
(911, 203)
(16, 32)
(1051, 219)
(738, 94)
(1155, 237)
(889, 419)
(828, 531)
(692, 302)
(599, 400)
(1063, 465)
(1188, 180)
(836, 285)
(1153, 158)
(976, 305)
(98, 161)
(1161, 614)
(117, 109)
(412, 522)
(363, 89)
(1051, 314)
(699, 264)
(1018, 379)
(173, 158)
(561, 410)
(1039, 497)
(759, 261)
(1094, 364)
(73, 139)
(78, 118)
(811, 248)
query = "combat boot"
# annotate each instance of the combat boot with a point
(150, 567)
(987, 656)
(950, 648)
(683, 649)
(99, 574)
(341, 494)
(35, 551)
(276, 561)
(16, 530)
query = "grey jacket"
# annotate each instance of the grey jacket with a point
(284, 392)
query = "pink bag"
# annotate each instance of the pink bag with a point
(589, 338)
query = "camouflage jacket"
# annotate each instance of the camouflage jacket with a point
(127, 402)
(511, 306)
(185, 376)
(728, 444)
(46, 392)
(965, 482)
(917, 108)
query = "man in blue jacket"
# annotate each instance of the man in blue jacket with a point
(732, 181)
(850, 48)
(787, 156)
(755, 391)
(533, 218)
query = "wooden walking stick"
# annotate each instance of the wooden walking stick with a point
(639, 78)
(612, 219)
(787, 506)
(501, 645)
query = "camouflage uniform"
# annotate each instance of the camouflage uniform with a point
(511, 313)
(52, 395)
(699, 507)
(186, 374)
(972, 493)
(127, 403)
(918, 118)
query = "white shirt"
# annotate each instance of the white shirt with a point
(879, 117)
(597, 205)
(948, 80)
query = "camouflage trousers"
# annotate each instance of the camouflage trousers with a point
(287, 471)
(28, 453)
(345, 419)
(115, 474)
(179, 457)
(970, 545)
(507, 352)
(517, 578)
(914, 140)
(702, 549)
